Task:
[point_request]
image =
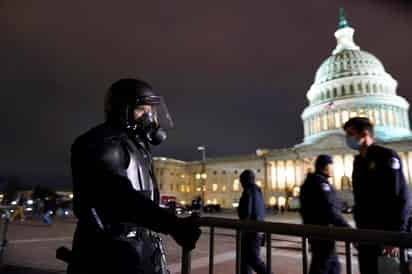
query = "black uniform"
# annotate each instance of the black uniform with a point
(321, 206)
(381, 198)
(251, 207)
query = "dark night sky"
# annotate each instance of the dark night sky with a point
(234, 74)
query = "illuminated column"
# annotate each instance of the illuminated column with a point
(281, 175)
(376, 115)
(330, 120)
(409, 165)
(299, 172)
(383, 116)
(290, 173)
(404, 160)
(305, 128)
(345, 116)
(338, 170)
(337, 119)
(403, 118)
(348, 165)
(274, 176)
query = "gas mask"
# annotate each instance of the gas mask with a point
(147, 127)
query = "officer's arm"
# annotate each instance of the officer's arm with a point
(245, 205)
(397, 192)
(329, 204)
(130, 205)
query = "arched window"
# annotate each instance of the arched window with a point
(352, 89)
(360, 87)
(343, 90)
(335, 92)
(374, 88)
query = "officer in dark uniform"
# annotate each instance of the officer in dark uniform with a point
(116, 198)
(251, 207)
(321, 206)
(381, 195)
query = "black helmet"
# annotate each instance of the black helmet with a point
(124, 96)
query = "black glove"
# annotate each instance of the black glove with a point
(186, 232)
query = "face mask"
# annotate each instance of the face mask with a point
(353, 143)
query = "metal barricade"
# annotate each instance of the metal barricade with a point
(304, 232)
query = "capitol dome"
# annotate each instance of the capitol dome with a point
(353, 82)
(347, 63)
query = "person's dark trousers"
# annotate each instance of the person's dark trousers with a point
(250, 254)
(368, 259)
(324, 258)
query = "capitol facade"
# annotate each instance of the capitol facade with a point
(349, 83)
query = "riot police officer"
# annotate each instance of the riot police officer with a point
(381, 195)
(321, 206)
(251, 207)
(116, 198)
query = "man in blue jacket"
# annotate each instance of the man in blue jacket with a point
(251, 207)
(321, 206)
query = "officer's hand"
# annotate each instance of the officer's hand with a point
(186, 233)
(391, 251)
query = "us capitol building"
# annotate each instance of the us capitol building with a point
(349, 83)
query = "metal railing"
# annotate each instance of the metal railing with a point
(402, 240)
(4, 222)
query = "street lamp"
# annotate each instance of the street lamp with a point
(203, 175)
(203, 150)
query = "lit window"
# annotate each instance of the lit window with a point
(259, 183)
(236, 185)
(362, 112)
(281, 201)
(353, 113)
(272, 201)
(214, 187)
(224, 188)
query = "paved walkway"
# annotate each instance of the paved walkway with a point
(32, 248)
